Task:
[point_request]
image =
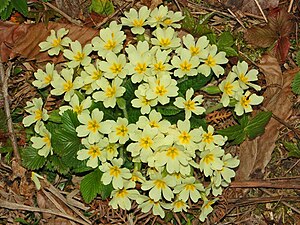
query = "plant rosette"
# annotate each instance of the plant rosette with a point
(131, 114)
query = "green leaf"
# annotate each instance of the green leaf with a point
(130, 88)
(225, 40)
(55, 164)
(20, 6)
(196, 82)
(31, 159)
(102, 7)
(5, 14)
(212, 37)
(234, 133)
(109, 114)
(4, 4)
(91, 185)
(229, 51)
(298, 58)
(197, 122)
(256, 126)
(294, 150)
(133, 114)
(70, 121)
(296, 84)
(54, 116)
(168, 110)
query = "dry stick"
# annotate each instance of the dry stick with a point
(292, 167)
(266, 184)
(4, 79)
(15, 206)
(237, 19)
(252, 201)
(290, 6)
(70, 19)
(178, 6)
(261, 11)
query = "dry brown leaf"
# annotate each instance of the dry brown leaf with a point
(23, 39)
(256, 154)
(152, 3)
(251, 6)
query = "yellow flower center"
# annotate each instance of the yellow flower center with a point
(146, 142)
(165, 42)
(185, 66)
(168, 21)
(122, 193)
(68, 86)
(228, 88)
(209, 158)
(184, 137)
(194, 50)
(96, 74)
(110, 44)
(179, 204)
(93, 126)
(160, 184)
(145, 101)
(135, 178)
(56, 42)
(153, 124)
(79, 56)
(122, 130)
(172, 152)
(208, 204)
(116, 68)
(159, 66)
(78, 109)
(110, 148)
(110, 92)
(245, 102)
(243, 78)
(160, 90)
(190, 105)
(38, 114)
(210, 61)
(138, 22)
(48, 79)
(47, 140)
(114, 171)
(94, 151)
(208, 138)
(158, 18)
(140, 68)
(190, 187)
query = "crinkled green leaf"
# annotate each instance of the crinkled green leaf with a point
(234, 133)
(296, 84)
(54, 116)
(70, 121)
(4, 4)
(91, 185)
(294, 150)
(31, 159)
(5, 14)
(298, 58)
(197, 121)
(20, 6)
(168, 110)
(55, 164)
(225, 40)
(229, 51)
(102, 7)
(256, 126)
(196, 82)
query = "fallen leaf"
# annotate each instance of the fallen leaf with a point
(251, 6)
(22, 40)
(276, 33)
(152, 4)
(256, 154)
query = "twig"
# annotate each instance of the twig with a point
(178, 6)
(70, 19)
(237, 19)
(4, 79)
(261, 11)
(258, 200)
(292, 167)
(15, 206)
(292, 184)
(209, 9)
(290, 6)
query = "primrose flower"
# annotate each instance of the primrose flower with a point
(139, 58)
(146, 204)
(160, 186)
(110, 92)
(121, 197)
(162, 88)
(246, 101)
(43, 79)
(206, 209)
(198, 48)
(189, 189)
(165, 38)
(190, 105)
(76, 106)
(172, 19)
(93, 152)
(43, 143)
(91, 75)
(114, 173)
(55, 42)
(159, 65)
(136, 20)
(64, 84)
(179, 206)
(37, 114)
(154, 120)
(157, 16)
(78, 56)
(110, 40)
(210, 160)
(92, 126)
(186, 64)
(141, 101)
(121, 130)
(212, 62)
(137, 177)
(174, 158)
(114, 66)
(111, 151)
(246, 77)
(208, 140)
(229, 87)
(35, 178)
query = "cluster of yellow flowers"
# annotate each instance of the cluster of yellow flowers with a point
(165, 154)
